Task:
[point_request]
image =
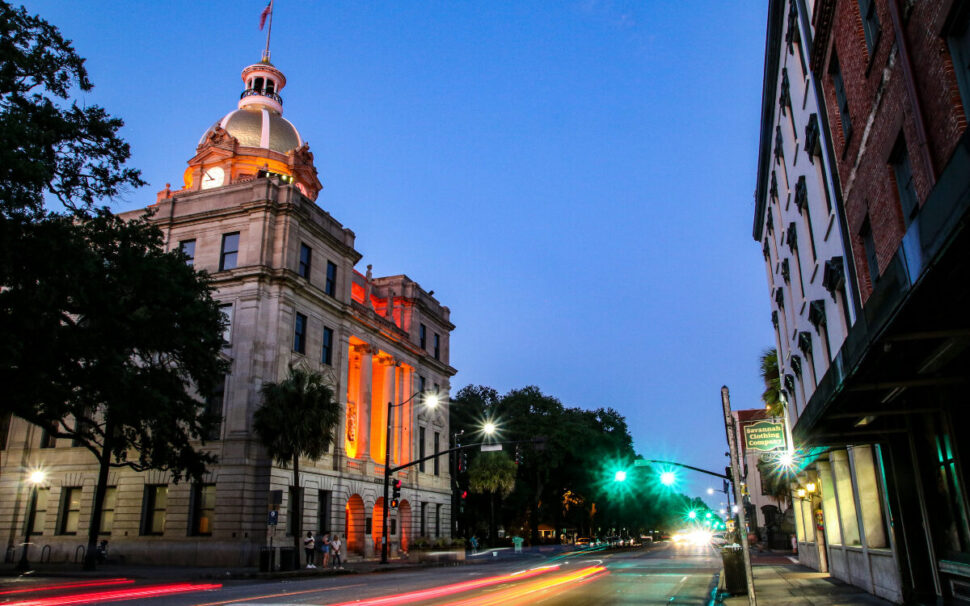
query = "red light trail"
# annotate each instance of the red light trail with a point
(72, 585)
(123, 594)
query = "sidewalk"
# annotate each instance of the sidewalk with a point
(779, 584)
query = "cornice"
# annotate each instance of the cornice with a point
(825, 9)
(776, 10)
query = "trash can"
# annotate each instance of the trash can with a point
(287, 559)
(734, 578)
(265, 559)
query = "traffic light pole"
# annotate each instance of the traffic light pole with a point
(691, 467)
(388, 470)
(732, 439)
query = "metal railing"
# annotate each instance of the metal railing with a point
(251, 92)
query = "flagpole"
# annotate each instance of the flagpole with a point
(269, 30)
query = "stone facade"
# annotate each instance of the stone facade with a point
(284, 273)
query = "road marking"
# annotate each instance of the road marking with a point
(279, 595)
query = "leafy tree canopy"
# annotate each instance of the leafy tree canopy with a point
(47, 145)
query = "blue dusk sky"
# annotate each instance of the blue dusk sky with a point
(573, 178)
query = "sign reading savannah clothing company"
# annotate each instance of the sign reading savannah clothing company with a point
(764, 435)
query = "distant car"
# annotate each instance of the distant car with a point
(718, 539)
(583, 542)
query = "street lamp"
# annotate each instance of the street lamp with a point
(489, 428)
(431, 401)
(710, 491)
(35, 479)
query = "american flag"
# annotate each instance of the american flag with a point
(266, 13)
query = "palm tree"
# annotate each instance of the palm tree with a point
(492, 473)
(297, 419)
(772, 396)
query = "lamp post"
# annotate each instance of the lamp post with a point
(36, 478)
(431, 401)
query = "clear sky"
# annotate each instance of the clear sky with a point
(573, 178)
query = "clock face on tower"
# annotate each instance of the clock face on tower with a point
(213, 177)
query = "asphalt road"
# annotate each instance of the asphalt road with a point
(660, 574)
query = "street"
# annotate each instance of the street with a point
(654, 575)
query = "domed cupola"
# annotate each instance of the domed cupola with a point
(254, 140)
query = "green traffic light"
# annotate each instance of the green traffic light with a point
(692, 515)
(620, 476)
(708, 515)
(667, 478)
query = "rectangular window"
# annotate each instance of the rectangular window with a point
(203, 509)
(330, 287)
(226, 310)
(424, 519)
(188, 249)
(229, 257)
(368, 525)
(47, 437)
(841, 97)
(870, 503)
(437, 443)
(154, 504)
(305, 254)
(108, 509)
(437, 520)
(423, 336)
(70, 510)
(214, 405)
(869, 244)
(830, 512)
(958, 39)
(846, 500)
(37, 517)
(437, 346)
(422, 383)
(294, 504)
(905, 187)
(421, 452)
(393, 526)
(327, 356)
(324, 500)
(4, 428)
(299, 334)
(870, 23)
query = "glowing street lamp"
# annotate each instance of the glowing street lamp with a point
(489, 428)
(431, 401)
(692, 514)
(35, 479)
(710, 491)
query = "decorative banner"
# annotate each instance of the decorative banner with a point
(764, 435)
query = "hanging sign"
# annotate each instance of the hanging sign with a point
(764, 435)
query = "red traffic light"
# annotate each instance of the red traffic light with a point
(464, 494)
(396, 484)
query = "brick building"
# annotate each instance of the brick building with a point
(895, 87)
(284, 273)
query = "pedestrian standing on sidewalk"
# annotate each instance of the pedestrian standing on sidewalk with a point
(308, 549)
(325, 549)
(335, 551)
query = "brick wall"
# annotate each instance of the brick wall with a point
(880, 108)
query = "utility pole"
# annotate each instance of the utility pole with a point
(738, 497)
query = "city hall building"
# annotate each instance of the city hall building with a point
(284, 272)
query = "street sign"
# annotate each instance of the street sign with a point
(641, 463)
(274, 517)
(764, 435)
(491, 447)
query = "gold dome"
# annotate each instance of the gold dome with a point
(259, 127)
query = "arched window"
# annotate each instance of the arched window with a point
(270, 86)
(258, 84)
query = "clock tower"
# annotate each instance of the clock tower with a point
(254, 140)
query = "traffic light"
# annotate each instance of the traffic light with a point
(461, 502)
(462, 462)
(518, 455)
(396, 493)
(668, 478)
